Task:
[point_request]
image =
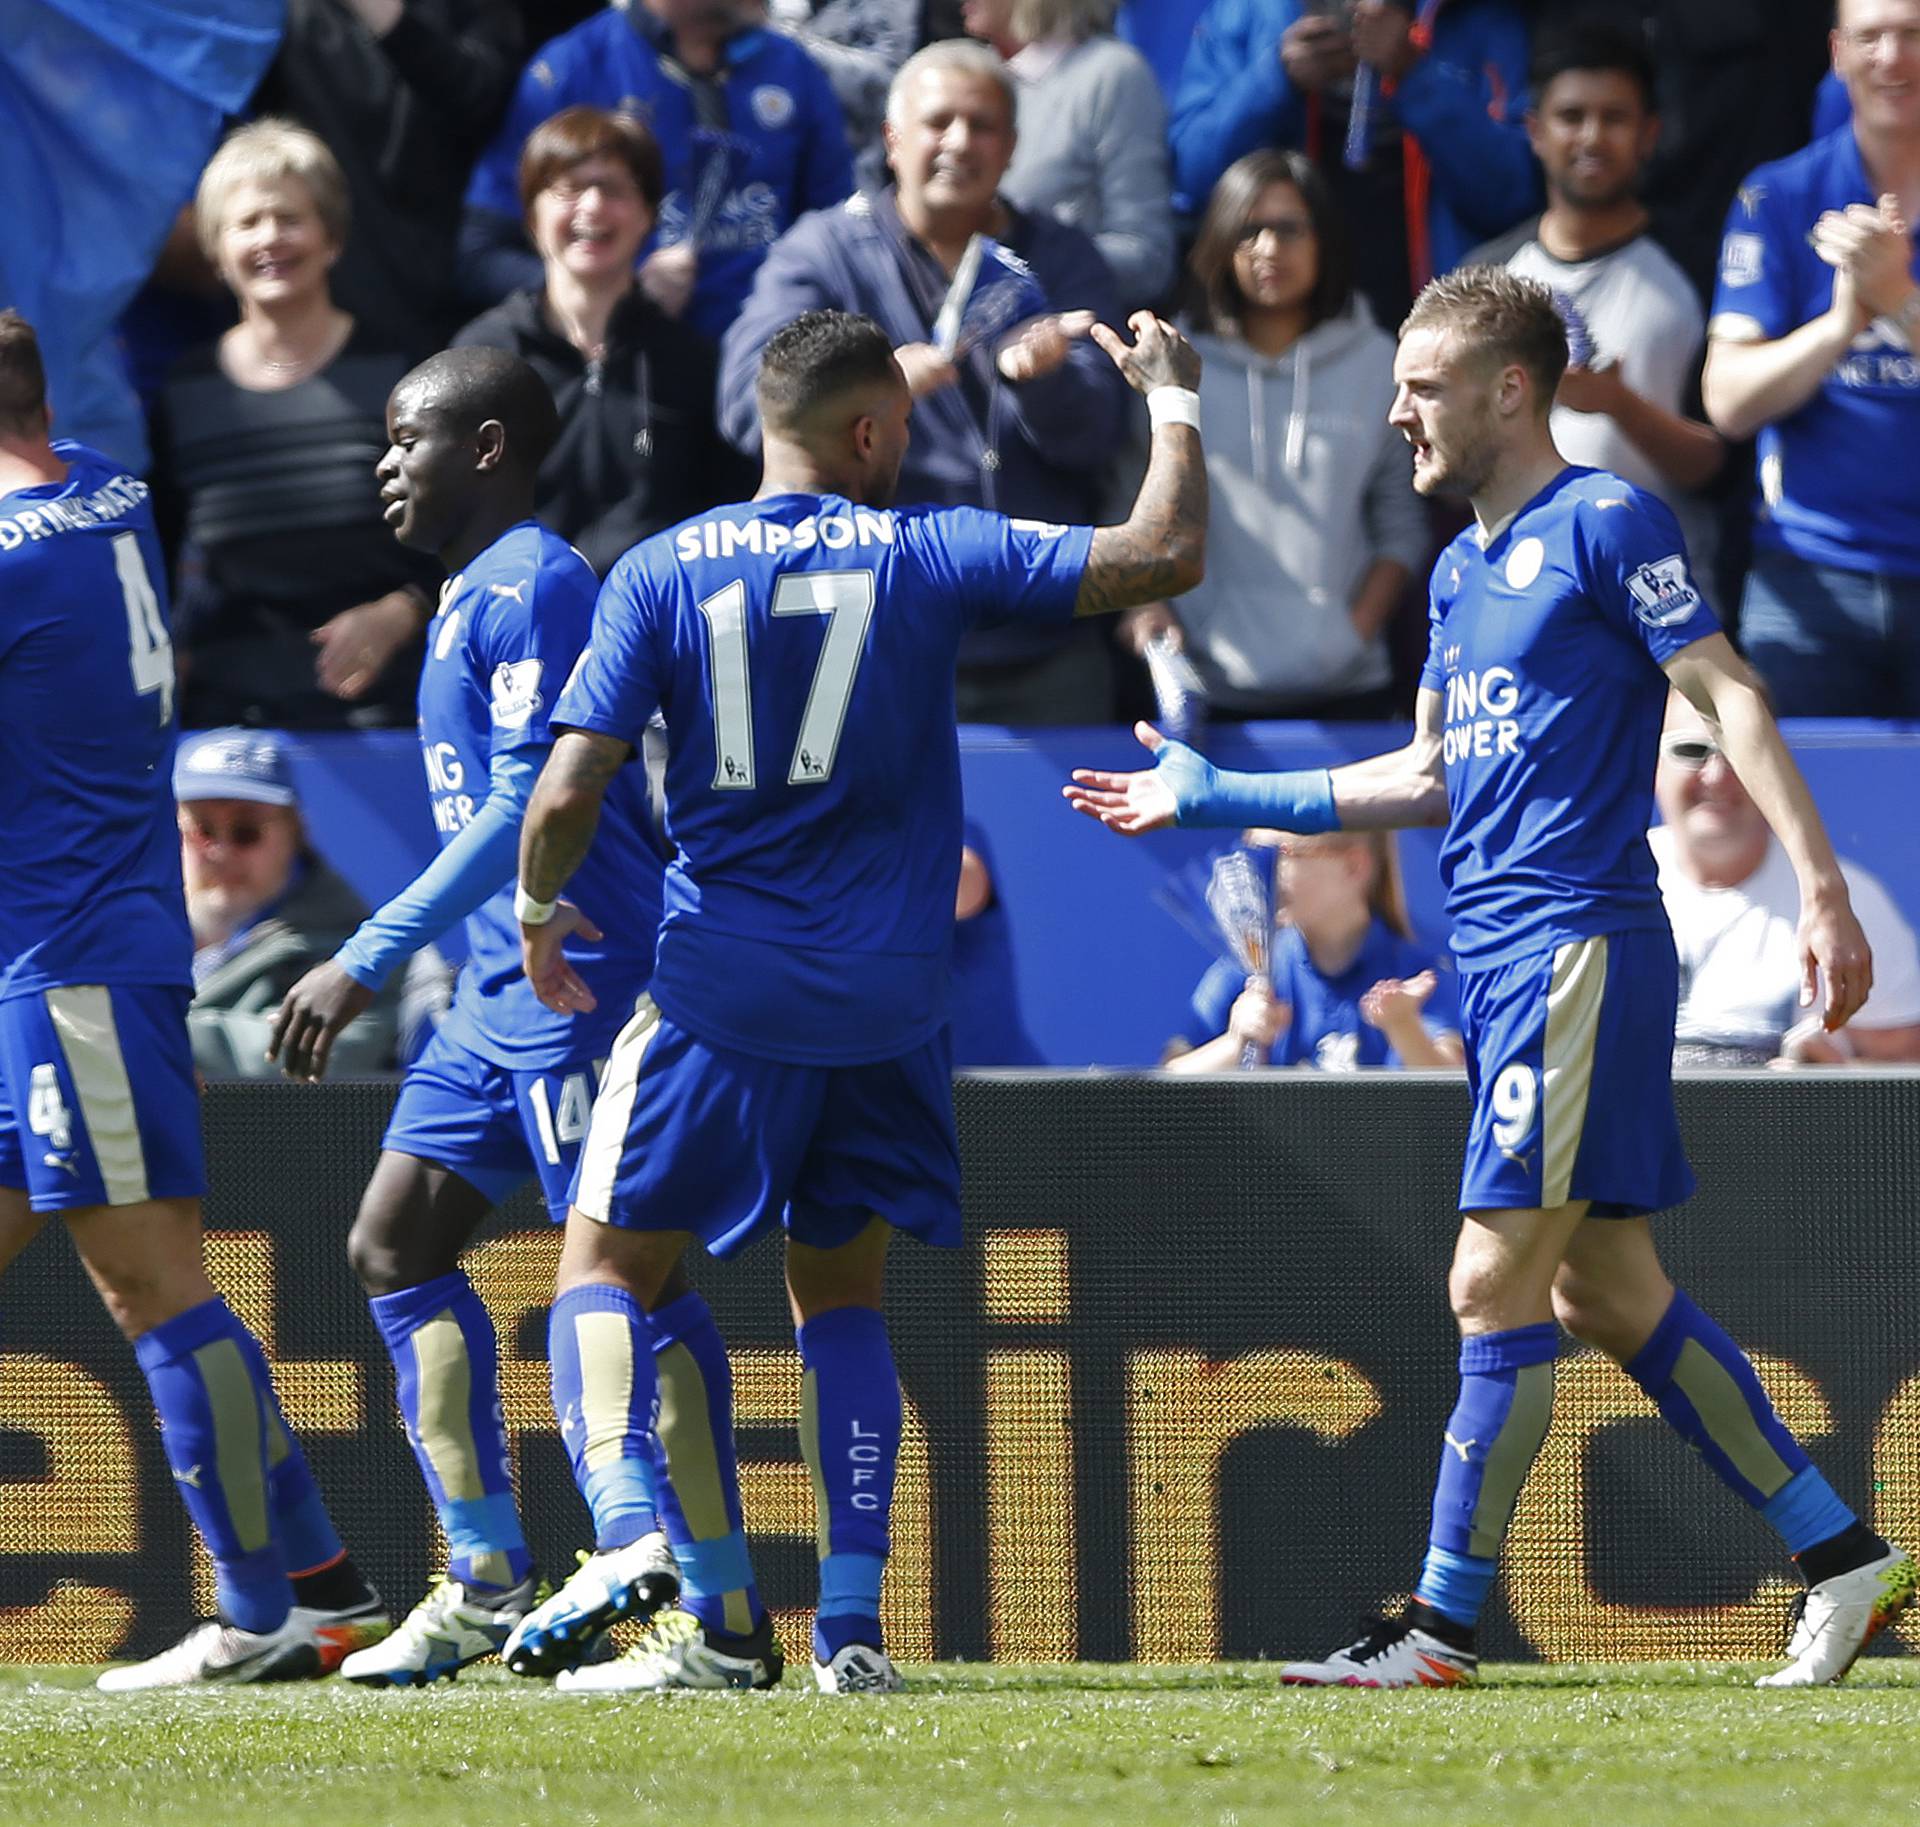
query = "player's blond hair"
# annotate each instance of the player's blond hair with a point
(270, 151)
(1497, 318)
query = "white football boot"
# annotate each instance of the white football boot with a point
(675, 1653)
(443, 1634)
(1391, 1654)
(637, 1581)
(1840, 1617)
(859, 1669)
(217, 1652)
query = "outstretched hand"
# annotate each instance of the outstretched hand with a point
(558, 985)
(1159, 355)
(310, 1016)
(1149, 799)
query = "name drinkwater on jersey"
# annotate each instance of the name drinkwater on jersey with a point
(112, 501)
(769, 538)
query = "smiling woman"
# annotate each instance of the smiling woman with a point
(293, 605)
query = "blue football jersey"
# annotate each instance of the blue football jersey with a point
(87, 821)
(509, 629)
(802, 650)
(1548, 646)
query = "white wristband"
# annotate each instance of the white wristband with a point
(530, 912)
(1173, 406)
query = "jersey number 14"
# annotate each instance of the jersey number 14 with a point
(845, 598)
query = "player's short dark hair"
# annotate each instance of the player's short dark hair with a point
(1593, 41)
(467, 387)
(577, 134)
(1497, 317)
(23, 376)
(1230, 208)
(818, 357)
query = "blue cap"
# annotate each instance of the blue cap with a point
(233, 764)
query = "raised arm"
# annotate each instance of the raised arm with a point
(561, 819)
(1406, 786)
(1717, 682)
(1161, 549)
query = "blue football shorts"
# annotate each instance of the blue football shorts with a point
(494, 1126)
(98, 1104)
(1570, 1061)
(688, 1137)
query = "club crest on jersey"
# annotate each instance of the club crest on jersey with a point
(1662, 592)
(516, 693)
(772, 106)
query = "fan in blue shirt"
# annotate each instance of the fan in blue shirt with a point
(503, 1089)
(99, 1113)
(749, 128)
(1348, 986)
(792, 1066)
(1558, 621)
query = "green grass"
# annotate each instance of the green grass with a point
(1662, 1746)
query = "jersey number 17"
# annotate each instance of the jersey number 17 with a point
(845, 598)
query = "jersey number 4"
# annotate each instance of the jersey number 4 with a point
(845, 598)
(149, 651)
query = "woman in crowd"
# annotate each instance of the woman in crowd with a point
(1315, 529)
(638, 447)
(293, 604)
(1092, 133)
(1350, 985)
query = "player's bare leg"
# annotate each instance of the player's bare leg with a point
(1613, 1293)
(850, 1433)
(1501, 1287)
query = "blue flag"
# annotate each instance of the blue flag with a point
(111, 108)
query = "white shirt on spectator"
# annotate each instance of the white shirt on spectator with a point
(1740, 963)
(1644, 316)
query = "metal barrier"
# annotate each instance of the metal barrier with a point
(1179, 1397)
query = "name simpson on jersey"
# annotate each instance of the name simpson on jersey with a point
(109, 502)
(769, 538)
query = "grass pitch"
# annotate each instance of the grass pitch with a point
(1663, 1746)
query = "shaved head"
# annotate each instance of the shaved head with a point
(465, 388)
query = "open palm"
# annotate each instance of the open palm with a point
(1127, 803)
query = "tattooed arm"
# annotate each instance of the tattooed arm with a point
(1161, 550)
(561, 819)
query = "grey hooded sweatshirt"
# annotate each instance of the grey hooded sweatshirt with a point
(1310, 486)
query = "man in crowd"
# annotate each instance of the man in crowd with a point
(749, 131)
(99, 1116)
(1734, 904)
(1636, 324)
(988, 308)
(1811, 345)
(263, 907)
(1558, 620)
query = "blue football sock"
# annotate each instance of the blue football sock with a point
(201, 1367)
(850, 1434)
(446, 1369)
(700, 1495)
(600, 1353)
(1703, 1385)
(307, 1537)
(1492, 1439)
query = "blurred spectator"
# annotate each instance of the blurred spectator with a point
(1636, 327)
(859, 43)
(1092, 145)
(1735, 907)
(293, 605)
(263, 907)
(1351, 986)
(1025, 416)
(638, 449)
(1160, 30)
(1440, 161)
(748, 128)
(1733, 82)
(1812, 346)
(405, 93)
(1313, 530)
(109, 112)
